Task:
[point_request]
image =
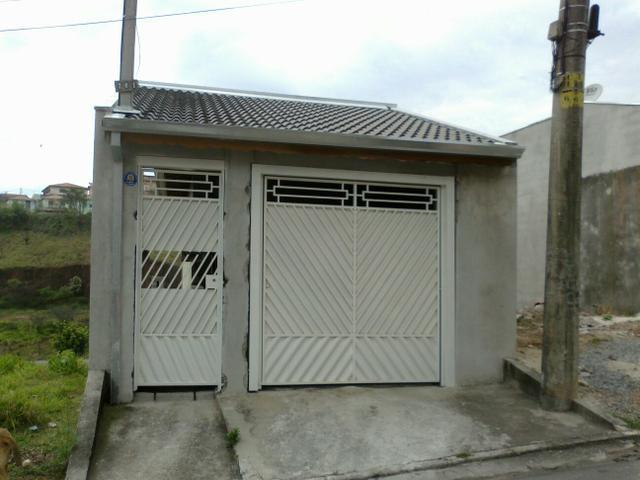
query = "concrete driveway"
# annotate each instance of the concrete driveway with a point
(361, 432)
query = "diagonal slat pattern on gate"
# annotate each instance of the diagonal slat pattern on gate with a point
(179, 316)
(176, 360)
(193, 226)
(351, 295)
(397, 271)
(308, 282)
(397, 311)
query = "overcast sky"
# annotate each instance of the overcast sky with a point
(479, 64)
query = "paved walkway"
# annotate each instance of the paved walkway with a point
(171, 438)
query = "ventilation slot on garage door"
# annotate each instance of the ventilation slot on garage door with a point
(340, 194)
(309, 192)
(176, 183)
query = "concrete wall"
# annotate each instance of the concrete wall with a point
(485, 263)
(485, 271)
(102, 301)
(610, 245)
(611, 143)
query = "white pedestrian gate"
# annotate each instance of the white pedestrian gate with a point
(351, 282)
(179, 278)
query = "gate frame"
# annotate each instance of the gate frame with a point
(177, 163)
(447, 256)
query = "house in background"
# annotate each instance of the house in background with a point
(10, 199)
(610, 243)
(245, 240)
(53, 196)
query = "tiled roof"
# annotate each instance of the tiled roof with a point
(13, 196)
(200, 107)
(67, 185)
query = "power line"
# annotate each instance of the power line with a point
(147, 17)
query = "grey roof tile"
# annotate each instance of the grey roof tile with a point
(249, 111)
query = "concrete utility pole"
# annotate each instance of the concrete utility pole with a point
(125, 85)
(570, 35)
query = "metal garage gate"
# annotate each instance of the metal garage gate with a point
(179, 271)
(351, 282)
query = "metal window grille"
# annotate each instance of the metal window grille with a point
(352, 194)
(159, 182)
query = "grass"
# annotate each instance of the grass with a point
(30, 249)
(27, 332)
(33, 394)
(631, 422)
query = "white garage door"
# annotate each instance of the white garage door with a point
(351, 282)
(179, 272)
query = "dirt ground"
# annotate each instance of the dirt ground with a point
(609, 358)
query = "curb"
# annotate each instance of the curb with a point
(245, 468)
(92, 400)
(530, 382)
(482, 456)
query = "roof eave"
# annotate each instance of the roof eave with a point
(132, 125)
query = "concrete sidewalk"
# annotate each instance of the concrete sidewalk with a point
(171, 438)
(359, 432)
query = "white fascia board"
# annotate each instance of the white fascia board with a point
(131, 125)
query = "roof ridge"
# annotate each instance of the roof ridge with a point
(270, 95)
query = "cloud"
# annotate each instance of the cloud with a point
(483, 65)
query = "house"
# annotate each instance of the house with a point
(609, 267)
(53, 196)
(10, 199)
(243, 240)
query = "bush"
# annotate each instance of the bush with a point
(71, 336)
(66, 363)
(15, 217)
(9, 363)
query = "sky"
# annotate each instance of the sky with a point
(483, 65)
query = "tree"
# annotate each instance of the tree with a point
(74, 199)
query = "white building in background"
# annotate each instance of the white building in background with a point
(610, 245)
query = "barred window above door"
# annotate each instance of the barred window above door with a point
(157, 182)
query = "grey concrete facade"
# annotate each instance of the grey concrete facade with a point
(485, 251)
(610, 208)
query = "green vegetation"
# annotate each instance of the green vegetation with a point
(40, 394)
(71, 337)
(35, 249)
(65, 222)
(32, 333)
(39, 405)
(233, 437)
(632, 422)
(44, 239)
(16, 294)
(40, 400)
